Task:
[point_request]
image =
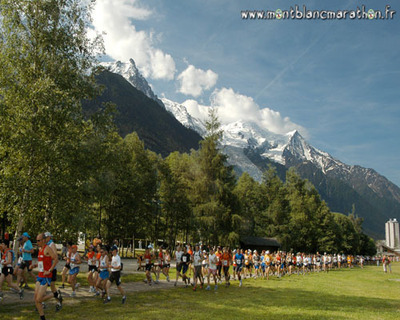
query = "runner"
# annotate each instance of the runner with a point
(103, 262)
(212, 269)
(158, 266)
(47, 260)
(186, 259)
(148, 258)
(218, 254)
(263, 265)
(226, 258)
(197, 263)
(256, 260)
(239, 258)
(6, 269)
(115, 275)
(67, 266)
(299, 263)
(75, 261)
(26, 262)
(234, 264)
(56, 293)
(166, 259)
(178, 259)
(268, 263)
(204, 264)
(92, 268)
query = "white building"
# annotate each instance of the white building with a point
(392, 233)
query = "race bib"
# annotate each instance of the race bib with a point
(147, 261)
(184, 258)
(225, 262)
(238, 261)
(40, 266)
(90, 262)
(19, 260)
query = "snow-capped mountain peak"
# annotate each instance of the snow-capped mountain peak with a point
(131, 73)
(180, 112)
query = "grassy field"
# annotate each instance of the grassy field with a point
(344, 294)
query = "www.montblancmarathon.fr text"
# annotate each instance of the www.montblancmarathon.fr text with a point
(300, 13)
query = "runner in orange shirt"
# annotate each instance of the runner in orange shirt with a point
(226, 259)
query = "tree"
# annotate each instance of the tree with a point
(47, 68)
(213, 200)
(252, 201)
(278, 209)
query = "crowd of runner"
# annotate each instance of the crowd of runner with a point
(196, 267)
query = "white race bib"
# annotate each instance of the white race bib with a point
(147, 261)
(225, 262)
(184, 258)
(238, 261)
(40, 266)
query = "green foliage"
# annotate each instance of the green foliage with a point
(47, 67)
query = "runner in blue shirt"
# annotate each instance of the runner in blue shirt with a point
(239, 257)
(26, 251)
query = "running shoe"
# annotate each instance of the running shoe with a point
(123, 299)
(59, 296)
(208, 288)
(21, 294)
(58, 306)
(107, 300)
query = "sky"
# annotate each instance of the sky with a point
(336, 81)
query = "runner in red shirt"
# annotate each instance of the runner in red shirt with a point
(47, 261)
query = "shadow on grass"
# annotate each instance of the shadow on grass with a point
(227, 303)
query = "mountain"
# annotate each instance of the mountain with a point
(157, 127)
(131, 73)
(252, 149)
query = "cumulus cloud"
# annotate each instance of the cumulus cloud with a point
(194, 81)
(123, 41)
(232, 106)
(196, 110)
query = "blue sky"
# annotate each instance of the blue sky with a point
(336, 80)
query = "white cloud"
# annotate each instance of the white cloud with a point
(194, 81)
(196, 110)
(123, 41)
(232, 106)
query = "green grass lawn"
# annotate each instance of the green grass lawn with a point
(344, 294)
